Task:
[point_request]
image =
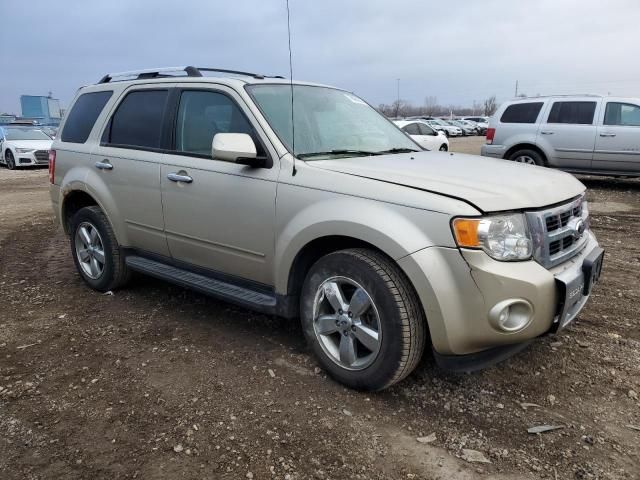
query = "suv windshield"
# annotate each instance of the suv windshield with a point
(14, 133)
(327, 122)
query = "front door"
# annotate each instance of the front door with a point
(618, 140)
(221, 215)
(569, 132)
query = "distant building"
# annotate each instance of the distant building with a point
(6, 118)
(45, 110)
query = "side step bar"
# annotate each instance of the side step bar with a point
(262, 302)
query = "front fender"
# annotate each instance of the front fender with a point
(395, 230)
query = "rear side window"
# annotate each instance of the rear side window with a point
(138, 120)
(624, 114)
(83, 115)
(412, 129)
(522, 113)
(579, 113)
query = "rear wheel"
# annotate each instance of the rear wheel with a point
(530, 157)
(95, 250)
(362, 319)
(11, 161)
(443, 147)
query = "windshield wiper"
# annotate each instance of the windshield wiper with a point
(397, 150)
(338, 152)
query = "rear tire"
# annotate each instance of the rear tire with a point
(527, 156)
(10, 160)
(381, 325)
(96, 252)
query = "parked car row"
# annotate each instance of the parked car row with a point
(455, 127)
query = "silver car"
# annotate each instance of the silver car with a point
(581, 134)
(326, 212)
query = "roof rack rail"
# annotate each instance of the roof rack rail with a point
(164, 72)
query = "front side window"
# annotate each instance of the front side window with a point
(577, 113)
(522, 112)
(425, 129)
(203, 114)
(624, 114)
(327, 122)
(83, 115)
(138, 120)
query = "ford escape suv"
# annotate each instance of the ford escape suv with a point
(580, 134)
(320, 209)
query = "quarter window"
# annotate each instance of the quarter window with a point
(138, 120)
(624, 114)
(412, 129)
(522, 113)
(83, 115)
(580, 113)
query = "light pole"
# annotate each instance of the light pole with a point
(398, 97)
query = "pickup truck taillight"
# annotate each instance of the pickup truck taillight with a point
(491, 132)
(52, 166)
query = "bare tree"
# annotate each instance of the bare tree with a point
(430, 105)
(490, 106)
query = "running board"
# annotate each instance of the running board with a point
(245, 297)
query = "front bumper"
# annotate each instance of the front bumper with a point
(458, 288)
(31, 158)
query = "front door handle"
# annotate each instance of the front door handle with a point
(177, 177)
(104, 165)
(546, 132)
(607, 134)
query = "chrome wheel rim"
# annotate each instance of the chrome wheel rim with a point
(346, 323)
(525, 159)
(89, 250)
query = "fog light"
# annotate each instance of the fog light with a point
(511, 315)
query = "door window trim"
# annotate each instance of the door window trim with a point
(171, 114)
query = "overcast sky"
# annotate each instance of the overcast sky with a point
(457, 51)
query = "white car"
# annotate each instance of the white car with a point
(22, 146)
(449, 130)
(424, 135)
(482, 122)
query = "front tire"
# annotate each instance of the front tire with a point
(444, 148)
(10, 160)
(529, 157)
(95, 250)
(362, 319)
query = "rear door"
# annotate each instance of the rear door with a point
(569, 132)
(618, 141)
(222, 219)
(127, 161)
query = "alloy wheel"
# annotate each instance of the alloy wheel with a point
(525, 159)
(346, 323)
(90, 250)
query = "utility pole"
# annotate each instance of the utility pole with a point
(516, 88)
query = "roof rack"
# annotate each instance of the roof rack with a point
(166, 72)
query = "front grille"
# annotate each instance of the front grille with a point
(555, 232)
(42, 156)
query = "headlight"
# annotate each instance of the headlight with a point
(502, 237)
(25, 150)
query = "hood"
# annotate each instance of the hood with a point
(35, 144)
(491, 185)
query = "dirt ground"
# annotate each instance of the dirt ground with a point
(158, 382)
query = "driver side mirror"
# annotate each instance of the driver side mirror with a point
(236, 147)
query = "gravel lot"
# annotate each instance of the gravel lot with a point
(159, 382)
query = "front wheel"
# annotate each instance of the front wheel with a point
(362, 319)
(443, 147)
(10, 160)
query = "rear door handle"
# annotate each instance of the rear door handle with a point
(547, 132)
(176, 177)
(607, 134)
(104, 165)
